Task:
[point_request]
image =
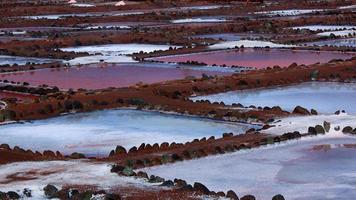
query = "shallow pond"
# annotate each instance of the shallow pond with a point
(96, 133)
(299, 170)
(199, 20)
(347, 42)
(324, 97)
(11, 60)
(258, 58)
(99, 76)
(112, 53)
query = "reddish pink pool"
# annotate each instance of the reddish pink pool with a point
(259, 58)
(112, 75)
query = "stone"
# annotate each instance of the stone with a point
(112, 197)
(50, 191)
(220, 194)
(232, 195)
(49, 153)
(167, 183)
(142, 174)
(128, 171)
(12, 195)
(311, 130)
(27, 192)
(201, 188)
(248, 197)
(133, 150)
(120, 150)
(5, 146)
(2, 195)
(278, 197)
(180, 182)
(117, 169)
(337, 112)
(327, 126)
(319, 129)
(337, 128)
(301, 110)
(347, 129)
(155, 179)
(313, 112)
(76, 155)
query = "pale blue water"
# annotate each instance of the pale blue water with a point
(96, 133)
(324, 97)
(292, 169)
(11, 60)
(348, 42)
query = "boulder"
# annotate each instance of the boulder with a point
(226, 135)
(300, 110)
(50, 191)
(76, 155)
(128, 171)
(180, 182)
(5, 146)
(327, 126)
(347, 129)
(27, 192)
(2, 195)
(313, 112)
(278, 197)
(49, 153)
(232, 195)
(167, 183)
(337, 128)
(120, 150)
(142, 175)
(248, 197)
(156, 179)
(319, 129)
(201, 188)
(220, 194)
(311, 130)
(112, 197)
(337, 112)
(12, 195)
(133, 150)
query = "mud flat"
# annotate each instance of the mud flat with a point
(99, 76)
(258, 58)
(297, 169)
(324, 97)
(97, 133)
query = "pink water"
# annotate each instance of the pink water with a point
(259, 58)
(109, 75)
